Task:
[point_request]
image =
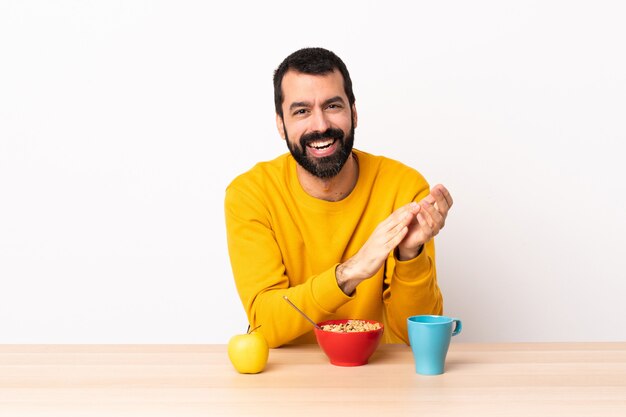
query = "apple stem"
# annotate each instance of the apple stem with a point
(254, 329)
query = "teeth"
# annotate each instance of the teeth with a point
(322, 144)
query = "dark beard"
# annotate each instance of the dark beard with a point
(328, 166)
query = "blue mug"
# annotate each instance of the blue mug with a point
(429, 337)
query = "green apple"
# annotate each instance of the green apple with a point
(248, 352)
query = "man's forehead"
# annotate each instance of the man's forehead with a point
(297, 85)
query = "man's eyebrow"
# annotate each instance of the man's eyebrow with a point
(334, 100)
(296, 104)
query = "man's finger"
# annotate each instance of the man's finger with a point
(441, 205)
(398, 216)
(435, 216)
(396, 238)
(446, 194)
(428, 231)
(398, 219)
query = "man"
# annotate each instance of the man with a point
(342, 233)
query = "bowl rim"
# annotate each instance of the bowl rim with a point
(339, 321)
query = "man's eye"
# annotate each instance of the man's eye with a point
(334, 106)
(299, 111)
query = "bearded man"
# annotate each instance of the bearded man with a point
(341, 232)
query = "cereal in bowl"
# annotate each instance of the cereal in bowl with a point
(351, 326)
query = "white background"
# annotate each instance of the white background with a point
(121, 124)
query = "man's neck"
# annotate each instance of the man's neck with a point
(330, 189)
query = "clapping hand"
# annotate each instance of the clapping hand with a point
(430, 218)
(406, 230)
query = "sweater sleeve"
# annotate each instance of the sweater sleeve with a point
(412, 290)
(261, 278)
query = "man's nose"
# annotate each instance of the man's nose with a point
(319, 122)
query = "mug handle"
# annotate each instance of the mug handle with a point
(458, 327)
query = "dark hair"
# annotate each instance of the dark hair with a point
(316, 61)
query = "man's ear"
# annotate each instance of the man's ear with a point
(280, 125)
(355, 116)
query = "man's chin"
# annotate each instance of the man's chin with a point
(326, 167)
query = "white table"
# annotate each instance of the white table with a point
(570, 379)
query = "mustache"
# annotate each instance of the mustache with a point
(330, 133)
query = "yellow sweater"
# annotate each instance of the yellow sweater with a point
(282, 241)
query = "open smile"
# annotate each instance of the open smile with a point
(322, 147)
